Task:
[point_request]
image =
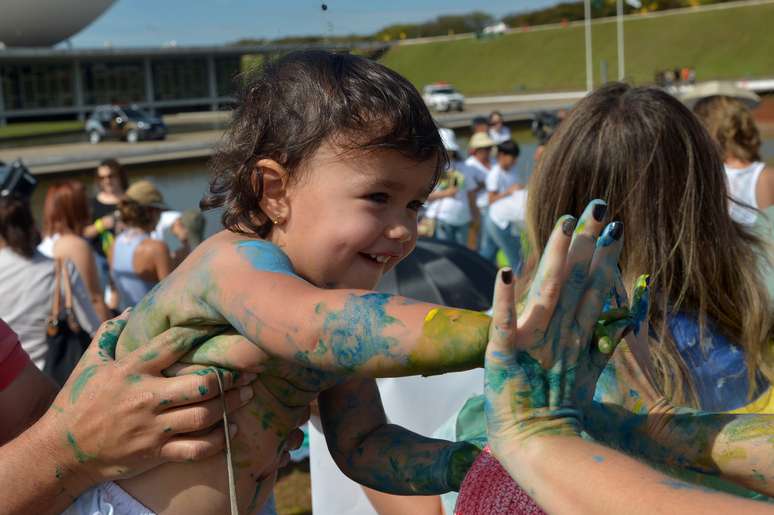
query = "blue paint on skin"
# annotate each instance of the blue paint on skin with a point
(598, 459)
(606, 239)
(354, 334)
(266, 256)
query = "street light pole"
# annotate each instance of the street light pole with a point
(621, 72)
(589, 69)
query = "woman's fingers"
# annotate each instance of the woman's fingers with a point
(602, 274)
(503, 316)
(546, 288)
(192, 388)
(188, 419)
(107, 337)
(196, 448)
(579, 259)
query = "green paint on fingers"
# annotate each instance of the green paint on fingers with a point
(81, 381)
(203, 390)
(148, 356)
(134, 378)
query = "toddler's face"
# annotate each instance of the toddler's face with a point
(354, 216)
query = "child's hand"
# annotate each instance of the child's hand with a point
(543, 368)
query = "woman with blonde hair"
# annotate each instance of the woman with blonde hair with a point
(750, 181)
(65, 214)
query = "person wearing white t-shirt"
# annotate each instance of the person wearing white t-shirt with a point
(500, 182)
(750, 182)
(498, 131)
(504, 224)
(479, 163)
(453, 196)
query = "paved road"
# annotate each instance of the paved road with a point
(68, 157)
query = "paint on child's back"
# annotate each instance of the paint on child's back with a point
(265, 256)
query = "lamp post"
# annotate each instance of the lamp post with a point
(587, 24)
(619, 23)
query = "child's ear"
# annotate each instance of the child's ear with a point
(273, 183)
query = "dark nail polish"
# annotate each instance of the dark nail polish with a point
(568, 226)
(599, 212)
(616, 230)
(507, 275)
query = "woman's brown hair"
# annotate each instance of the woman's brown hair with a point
(650, 158)
(731, 124)
(133, 214)
(17, 226)
(65, 208)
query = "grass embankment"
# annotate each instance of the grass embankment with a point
(22, 130)
(721, 44)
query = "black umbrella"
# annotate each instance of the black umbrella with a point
(444, 273)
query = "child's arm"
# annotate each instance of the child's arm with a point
(343, 331)
(384, 456)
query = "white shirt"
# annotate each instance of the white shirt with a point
(499, 180)
(455, 210)
(500, 136)
(479, 173)
(510, 209)
(742, 184)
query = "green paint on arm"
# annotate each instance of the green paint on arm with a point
(80, 455)
(81, 381)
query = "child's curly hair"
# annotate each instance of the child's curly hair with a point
(297, 102)
(731, 125)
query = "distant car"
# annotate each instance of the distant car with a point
(125, 123)
(443, 97)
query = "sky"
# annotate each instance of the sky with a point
(212, 22)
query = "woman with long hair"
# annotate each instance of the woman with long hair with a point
(65, 214)
(27, 280)
(672, 390)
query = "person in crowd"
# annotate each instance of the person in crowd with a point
(498, 131)
(750, 180)
(27, 277)
(535, 416)
(138, 261)
(35, 431)
(480, 163)
(507, 200)
(189, 229)
(65, 214)
(479, 124)
(453, 196)
(706, 351)
(112, 181)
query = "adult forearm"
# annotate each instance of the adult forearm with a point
(549, 469)
(734, 447)
(37, 475)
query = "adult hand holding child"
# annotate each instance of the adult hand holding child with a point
(117, 419)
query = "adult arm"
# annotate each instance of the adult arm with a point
(532, 392)
(24, 401)
(383, 456)
(77, 443)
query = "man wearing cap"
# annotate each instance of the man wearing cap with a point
(454, 195)
(138, 261)
(480, 163)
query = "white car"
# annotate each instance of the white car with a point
(443, 97)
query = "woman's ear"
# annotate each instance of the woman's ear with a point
(273, 183)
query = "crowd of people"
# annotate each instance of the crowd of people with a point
(656, 345)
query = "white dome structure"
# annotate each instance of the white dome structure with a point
(43, 23)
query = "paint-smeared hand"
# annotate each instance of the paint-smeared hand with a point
(116, 419)
(541, 371)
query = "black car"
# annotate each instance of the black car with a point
(124, 123)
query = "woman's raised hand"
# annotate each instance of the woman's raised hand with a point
(541, 370)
